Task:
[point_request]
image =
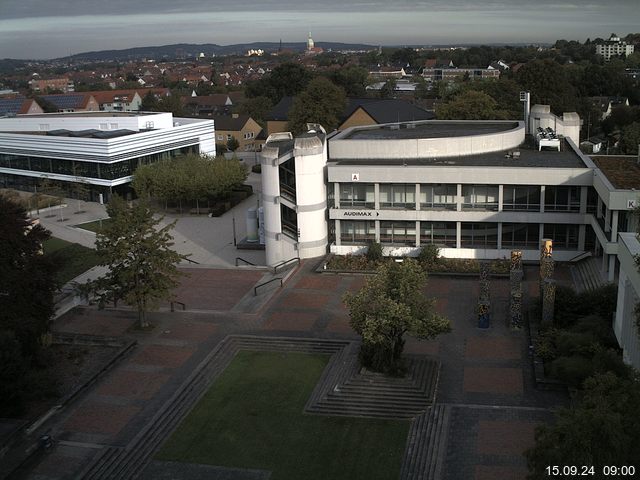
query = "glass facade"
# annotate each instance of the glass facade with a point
(480, 197)
(438, 233)
(398, 233)
(521, 235)
(565, 237)
(97, 170)
(561, 199)
(357, 232)
(521, 198)
(357, 195)
(479, 235)
(289, 222)
(438, 196)
(287, 173)
(398, 195)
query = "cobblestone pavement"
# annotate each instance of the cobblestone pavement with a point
(486, 375)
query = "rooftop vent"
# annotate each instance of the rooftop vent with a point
(411, 125)
(395, 126)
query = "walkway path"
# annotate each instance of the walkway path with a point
(486, 406)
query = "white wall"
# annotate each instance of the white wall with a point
(628, 294)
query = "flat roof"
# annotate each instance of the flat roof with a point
(529, 157)
(622, 171)
(428, 129)
(87, 114)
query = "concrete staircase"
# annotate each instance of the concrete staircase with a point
(424, 456)
(587, 275)
(352, 392)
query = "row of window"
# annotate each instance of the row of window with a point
(472, 235)
(474, 197)
(77, 168)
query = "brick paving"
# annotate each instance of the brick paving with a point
(479, 367)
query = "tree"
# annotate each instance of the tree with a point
(149, 103)
(390, 304)
(548, 83)
(233, 144)
(630, 138)
(353, 79)
(287, 79)
(27, 282)
(142, 267)
(603, 428)
(321, 102)
(388, 90)
(257, 108)
(470, 105)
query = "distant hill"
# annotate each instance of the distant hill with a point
(190, 50)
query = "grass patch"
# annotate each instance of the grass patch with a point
(71, 258)
(252, 417)
(95, 226)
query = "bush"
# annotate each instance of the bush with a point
(573, 370)
(571, 343)
(571, 306)
(374, 252)
(429, 255)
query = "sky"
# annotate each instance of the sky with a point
(40, 29)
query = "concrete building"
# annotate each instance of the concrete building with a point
(477, 189)
(42, 85)
(117, 100)
(625, 325)
(100, 149)
(613, 47)
(452, 74)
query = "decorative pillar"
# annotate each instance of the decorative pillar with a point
(548, 300)
(515, 281)
(546, 261)
(484, 304)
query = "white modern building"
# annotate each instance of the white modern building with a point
(477, 189)
(614, 47)
(100, 148)
(625, 326)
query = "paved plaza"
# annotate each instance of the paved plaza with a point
(485, 378)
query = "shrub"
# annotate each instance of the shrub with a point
(429, 255)
(573, 370)
(572, 343)
(374, 252)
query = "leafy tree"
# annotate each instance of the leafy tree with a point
(27, 282)
(630, 138)
(46, 105)
(321, 102)
(233, 144)
(549, 84)
(149, 103)
(287, 79)
(470, 105)
(389, 305)
(142, 267)
(257, 108)
(603, 428)
(353, 79)
(388, 90)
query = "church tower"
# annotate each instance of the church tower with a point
(310, 43)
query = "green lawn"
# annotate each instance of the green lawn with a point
(72, 258)
(94, 226)
(252, 417)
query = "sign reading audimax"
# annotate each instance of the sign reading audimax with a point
(360, 213)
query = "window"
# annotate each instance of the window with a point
(287, 171)
(220, 137)
(44, 127)
(562, 199)
(479, 235)
(438, 233)
(398, 233)
(103, 126)
(438, 196)
(480, 197)
(401, 195)
(357, 232)
(113, 126)
(592, 200)
(229, 137)
(357, 195)
(565, 237)
(289, 222)
(520, 235)
(521, 198)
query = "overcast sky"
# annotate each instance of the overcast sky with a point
(54, 28)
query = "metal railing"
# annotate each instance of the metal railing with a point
(255, 289)
(179, 303)
(580, 256)
(189, 260)
(243, 260)
(285, 263)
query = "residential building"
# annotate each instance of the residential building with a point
(18, 106)
(73, 102)
(450, 74)
(208, 105)
(97, 148)
(42, 85)
(607, 104)
(614, 47)
(118, 100)
(241, 127)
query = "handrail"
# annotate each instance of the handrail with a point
(255, 289)
(282, 264)
(580, 256)
(245, 261)
(184, 257)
